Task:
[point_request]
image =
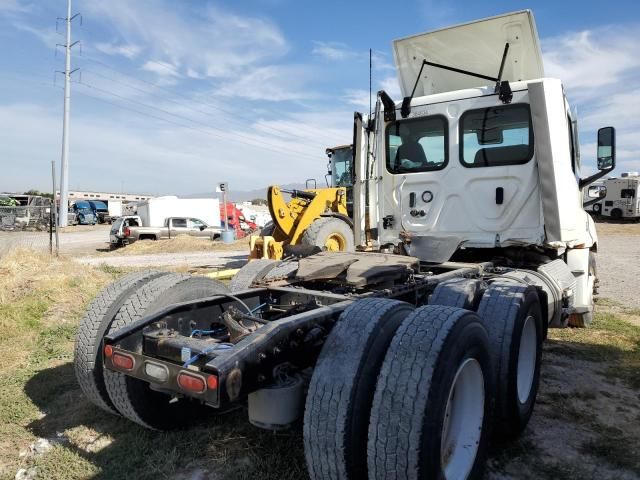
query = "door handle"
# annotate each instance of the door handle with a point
(412, 200)
(499, 196)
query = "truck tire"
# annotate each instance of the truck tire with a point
(285, 270)
(616, 214)
(459, 292)
(330, 234)
(251, 272)
(133, 398)
(431, 409)
(341, 390)
(87, 355)
(513, 317)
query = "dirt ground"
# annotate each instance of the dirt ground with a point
(585, 425)
(619, 262)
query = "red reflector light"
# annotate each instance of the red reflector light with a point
(212, 382)
(191, 383)
(127, 232)
(122, 361)
(108, 351)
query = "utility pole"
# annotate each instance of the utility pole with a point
(64, 164)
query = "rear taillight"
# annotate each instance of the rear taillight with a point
(191, 383)
(122, 361)
(212, 382)
(108, 351)
(127, 232)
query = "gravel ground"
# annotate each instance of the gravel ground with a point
(619, 262)
(81, 239)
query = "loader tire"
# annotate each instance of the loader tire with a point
(341, 390)
(458, 292)
(251, 272)
(431, 409)
(133, 398)
(268, 229)
(330, 234)
(87, 355)
(513, 317)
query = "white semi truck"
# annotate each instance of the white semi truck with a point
(472, 239)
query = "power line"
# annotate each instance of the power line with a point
(182, 105)
(236, 114)
(223, 135)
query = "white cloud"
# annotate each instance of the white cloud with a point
(392, 87)
(215, 43)
(588, 60)
(126, 50)
(156, 157)
(13, 7)
(272, 83)
(335, 51)
(358, 98)
(600, 70)
(162, 69)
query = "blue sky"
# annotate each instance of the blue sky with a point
(174, 97)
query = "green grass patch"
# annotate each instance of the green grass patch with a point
(25, 313)
(609, 340)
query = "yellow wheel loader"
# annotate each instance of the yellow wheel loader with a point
(313, 219)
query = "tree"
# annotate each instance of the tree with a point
(258, 201)
(38, 193)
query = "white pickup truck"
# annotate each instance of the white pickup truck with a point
(173, 226)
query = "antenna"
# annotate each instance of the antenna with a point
(64, 164)
(370, 74)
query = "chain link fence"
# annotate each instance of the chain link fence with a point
(22, 227)
(22, 218)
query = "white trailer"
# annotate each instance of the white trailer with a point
(155, 211)
(622, 198)
(115, 208)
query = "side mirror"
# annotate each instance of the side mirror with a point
(202, 227)
(606, 156)
(606, 148)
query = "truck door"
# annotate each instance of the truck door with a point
(464, 174)
(178, 227)
(197, 228)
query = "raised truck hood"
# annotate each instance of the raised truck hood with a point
(477, 46)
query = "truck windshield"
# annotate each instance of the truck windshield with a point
(417, 145)
(341, 160)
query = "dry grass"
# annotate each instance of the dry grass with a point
(179, 244)
(626, 228)
(584, 426)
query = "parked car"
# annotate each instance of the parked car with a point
(173, 226)
(117, 236)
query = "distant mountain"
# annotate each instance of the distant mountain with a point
(245, 195)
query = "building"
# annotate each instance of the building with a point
(105, 196)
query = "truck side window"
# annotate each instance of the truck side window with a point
(179, 223)
(195, 223)
(572, 144)
(627, 193)
(417, 145)
(495, 136)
